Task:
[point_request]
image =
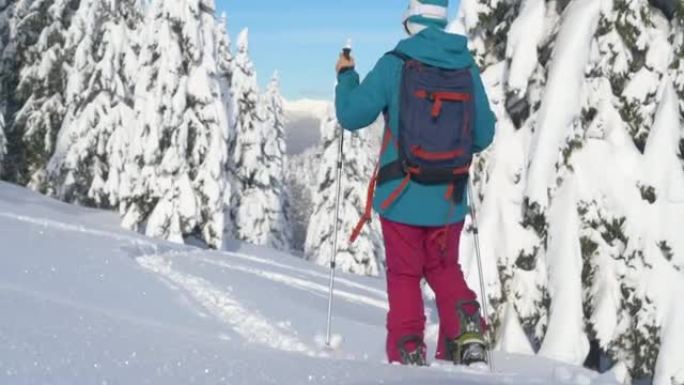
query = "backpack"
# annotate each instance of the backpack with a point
(435, 135)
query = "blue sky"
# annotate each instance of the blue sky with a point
(302, 38)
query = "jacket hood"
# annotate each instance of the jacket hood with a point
(438, 48)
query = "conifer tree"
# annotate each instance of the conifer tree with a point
(225, 79)
(102, 40)
(177, 156)
(40, 33)
(275, 151)
(258, 201)
(618, 60)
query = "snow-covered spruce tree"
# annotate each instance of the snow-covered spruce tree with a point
(585, 102)
(225, 79)
(617, 312)
(487, 24)
(510, 43)
(257, 202)
(13, 167)
(515, 279)
(366, 255)
(633, 43)
(210, 121)
(175, 166)
(99, 99)
(6, 10)
(275, 151)
(553, 112)
(663, 246)
(628, 81)
(40, 28)
(621, 230)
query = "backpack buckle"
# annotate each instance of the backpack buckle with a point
(427, 95)
(409, 169)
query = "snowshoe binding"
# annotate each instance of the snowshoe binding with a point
(470, 347)
(416, 356)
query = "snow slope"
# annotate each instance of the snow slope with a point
(85, 302)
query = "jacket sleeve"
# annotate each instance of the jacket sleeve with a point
(485, 121)
(359, 104)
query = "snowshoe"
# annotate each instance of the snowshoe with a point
(470, 347)
(415, 357)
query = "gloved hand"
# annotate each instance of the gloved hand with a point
(344, 62)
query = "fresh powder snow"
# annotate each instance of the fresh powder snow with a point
(84, 301)
(145, 108)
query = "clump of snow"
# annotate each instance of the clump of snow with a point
(336, 341)
(511, 338)
(560, 105)
(565, 339)
(522, 44)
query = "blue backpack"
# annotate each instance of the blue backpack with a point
(435, 142)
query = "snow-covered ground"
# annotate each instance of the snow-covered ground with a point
(84, 302)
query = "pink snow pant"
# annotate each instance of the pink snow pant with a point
(414, 253)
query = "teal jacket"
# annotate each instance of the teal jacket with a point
(359, 104)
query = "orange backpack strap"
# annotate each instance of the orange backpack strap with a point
(368, 212)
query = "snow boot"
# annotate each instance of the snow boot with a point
(415, 357)
(469, 347)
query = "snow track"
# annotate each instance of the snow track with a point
(249, 324)
(311, 273)
(281, 278)
(57, 225)
(301, 284)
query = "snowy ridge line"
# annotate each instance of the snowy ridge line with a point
(132, 319)
(298, 283)
(312, 273)
(52, 224)
(250, 325)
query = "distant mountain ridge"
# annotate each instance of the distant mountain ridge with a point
(302, 129)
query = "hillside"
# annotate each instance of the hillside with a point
(86, 302)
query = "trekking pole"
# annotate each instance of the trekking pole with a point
(333, 255)
(483, 293)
